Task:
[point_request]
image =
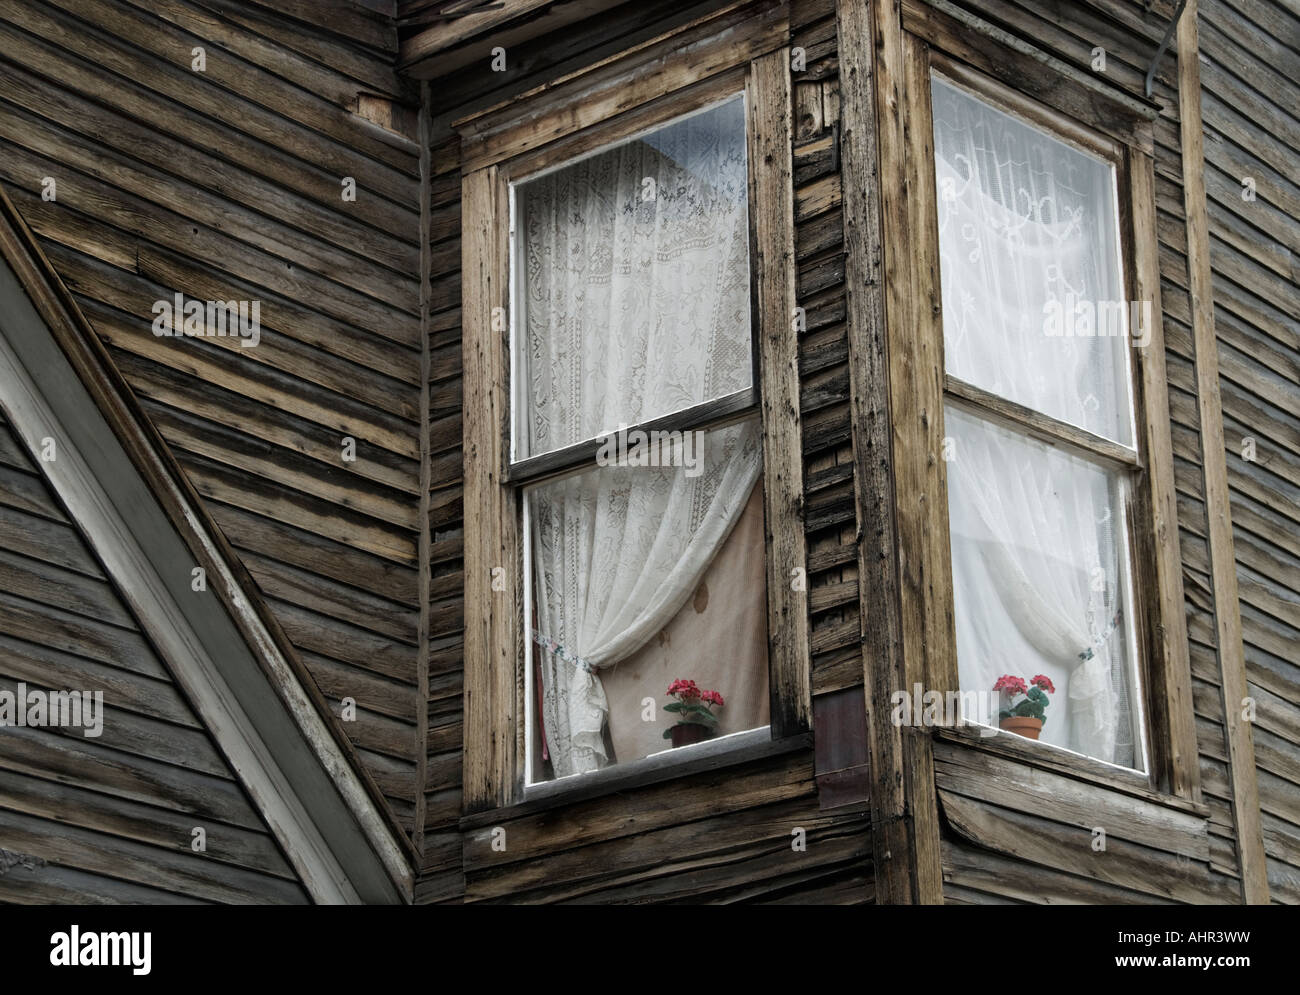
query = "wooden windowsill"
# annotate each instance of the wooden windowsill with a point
(1062, 761)
(729, 751)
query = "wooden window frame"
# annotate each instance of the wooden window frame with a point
(1096, 117)
(739, 49)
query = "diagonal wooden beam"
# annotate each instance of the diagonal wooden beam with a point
(292, 748)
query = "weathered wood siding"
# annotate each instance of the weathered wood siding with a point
(443, 877)
(107, 818)
(1250, 78)
(227, 183)
(988, 852)
(829, 516)
(722, 836)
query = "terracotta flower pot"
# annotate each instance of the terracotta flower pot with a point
(685, 733)
(1029, 728)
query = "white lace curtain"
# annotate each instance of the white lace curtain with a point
(635, 273)
(1028, 226)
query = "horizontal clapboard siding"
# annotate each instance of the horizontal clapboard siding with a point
(1022, 835)
(1250, 64)
(226, 184)
(713, 838)
(829, 512)
(108, 818)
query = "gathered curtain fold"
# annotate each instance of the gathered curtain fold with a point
(635, 269)
(1033, 530)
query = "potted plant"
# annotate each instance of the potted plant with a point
(1024, 717)
(698, 721)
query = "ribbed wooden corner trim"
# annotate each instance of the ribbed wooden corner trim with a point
(1223, 568)
(873, 464)
(917, 376)
(892, 417)
(787, 549)
(424, 552)
(492, 582)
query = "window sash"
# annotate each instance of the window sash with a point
(711, 412)
(1034, 423)
(492, 153)
(1092, 146)
(531, 708)
(1121, 131)
(1122, 506)
(716, 413)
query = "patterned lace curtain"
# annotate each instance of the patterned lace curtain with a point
(635, 295)
(1028, 244)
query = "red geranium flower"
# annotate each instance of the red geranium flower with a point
(1013, 685)
(684, 689)
(1043, 682)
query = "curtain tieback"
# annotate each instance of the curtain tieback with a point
(546, 642)
(1101, 640)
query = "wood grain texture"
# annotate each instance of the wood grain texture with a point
(1248, 64)
(1169, 676)
(639, 77)
(1068, 33)
(1040, 841)
(773, 259)
(914, 349)
(226, 184)
(1227, 612)
(371, 332)
(717, 864)
(876, 541)
(493, 586)
(117, 809)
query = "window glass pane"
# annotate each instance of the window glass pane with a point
(631, 278)
(614, 554)
(1041, 585)
(1033, 300)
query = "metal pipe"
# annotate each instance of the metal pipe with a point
(1164, 44)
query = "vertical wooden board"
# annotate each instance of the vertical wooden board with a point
(872, 441)
(1223, 568)
(778, 350)
(894, 348)
(914, 370)
(490, 533)
(916, 403)
(424, 540)
(921, 364)
(1170, 665)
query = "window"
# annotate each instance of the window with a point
(633, 462)
(1032, 460)
(1039, 413)
(631, 340)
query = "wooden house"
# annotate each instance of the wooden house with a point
(398, 397)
